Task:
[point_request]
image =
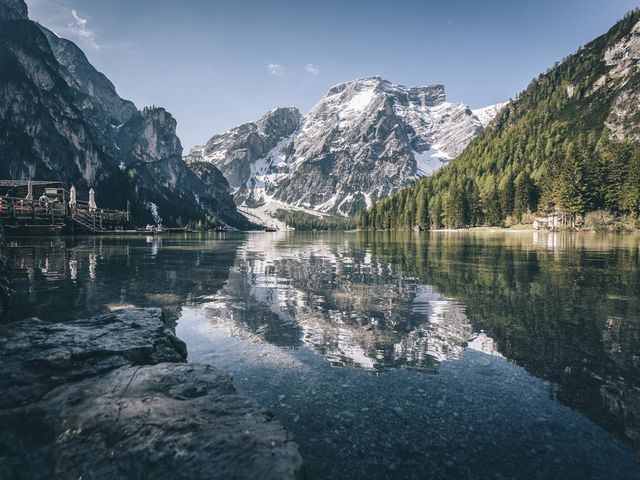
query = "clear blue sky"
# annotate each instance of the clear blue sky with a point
(215, 64)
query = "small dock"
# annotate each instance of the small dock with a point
(41, 207)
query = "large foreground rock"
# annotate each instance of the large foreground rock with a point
(89, 399)
(37, 356)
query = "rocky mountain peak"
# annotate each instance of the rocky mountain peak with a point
(13, 10)
(363, 140)
(285, 118)
(236, 150)
(358, 84)
(369, 87)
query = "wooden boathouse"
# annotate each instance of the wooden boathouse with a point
(35, 207)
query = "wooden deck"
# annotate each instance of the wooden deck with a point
(22, 213)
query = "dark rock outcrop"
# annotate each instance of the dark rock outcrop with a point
(110, 397)
(38, 356)
(13, 10)
(63, 120)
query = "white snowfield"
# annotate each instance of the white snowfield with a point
(487, 114)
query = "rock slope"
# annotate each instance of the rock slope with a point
(63, 120)
(364, 140)
(110, 397)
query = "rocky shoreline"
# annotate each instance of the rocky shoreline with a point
(113, 397)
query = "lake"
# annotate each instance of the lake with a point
(390, 355)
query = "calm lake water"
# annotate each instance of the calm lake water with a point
(408, 356)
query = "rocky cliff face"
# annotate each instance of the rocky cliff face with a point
(623, 60)
(156, 173)
(237, 151)
(63, 120)
(364, 140)
(83, 77)
(13, 10)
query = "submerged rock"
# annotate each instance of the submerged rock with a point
(111, 397)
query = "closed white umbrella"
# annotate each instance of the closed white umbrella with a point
(72, 195)
(29, 191)
(92, 200)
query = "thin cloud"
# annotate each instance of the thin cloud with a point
(275, 69)
(312, 69)
(80, 28)
(58, 16)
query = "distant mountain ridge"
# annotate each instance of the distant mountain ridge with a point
(364, 140)
(62, 120)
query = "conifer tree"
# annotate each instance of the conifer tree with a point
(507, 196)
(491, 204)
(572, 189)
(422, 210)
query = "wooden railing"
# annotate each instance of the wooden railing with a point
(20, 211)
(98, 219)
(31, 210)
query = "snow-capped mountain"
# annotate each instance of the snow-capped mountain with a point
(362, 141)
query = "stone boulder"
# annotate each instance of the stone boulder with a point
(37, 356)
(112, 397)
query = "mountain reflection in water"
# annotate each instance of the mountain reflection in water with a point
(61, 278)
(342, 303)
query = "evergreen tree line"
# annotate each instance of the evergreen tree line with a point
(304, 221)
(580, 177)
(548, 150)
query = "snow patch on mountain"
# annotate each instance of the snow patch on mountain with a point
(430, 161)
(486, 114)
(356, 105)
